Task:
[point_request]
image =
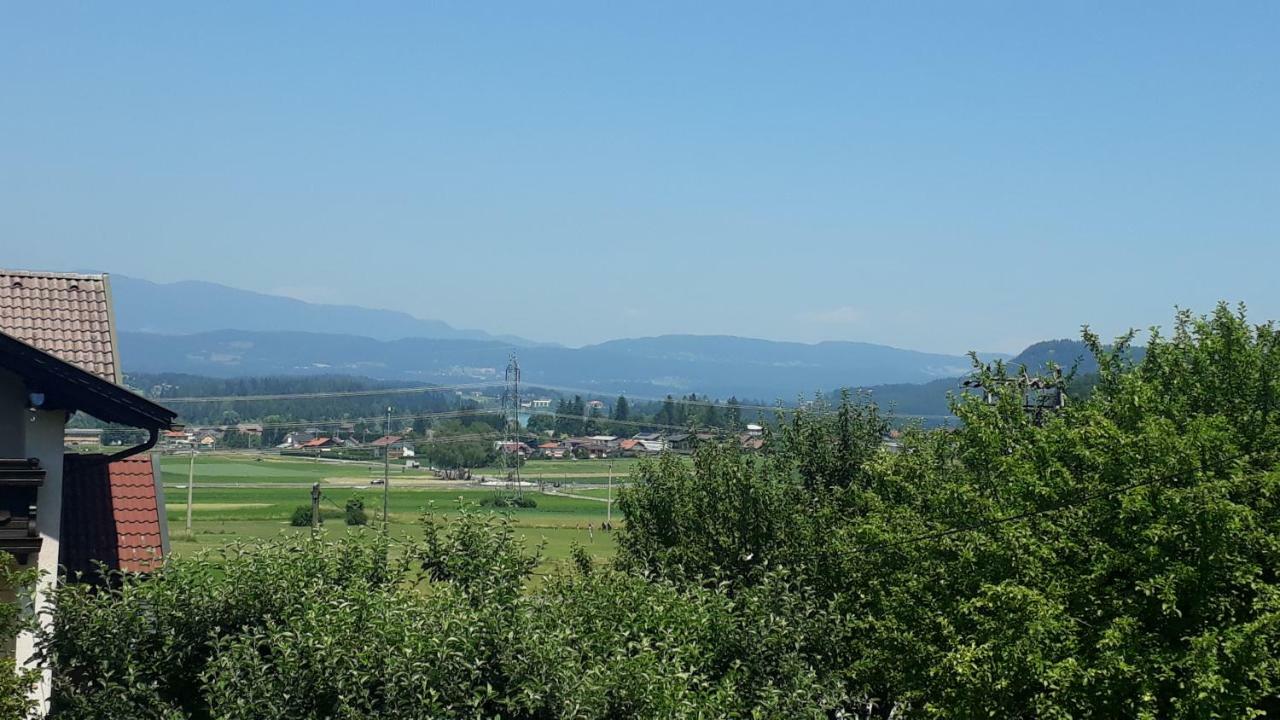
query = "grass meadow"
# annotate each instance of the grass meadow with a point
(238, 497)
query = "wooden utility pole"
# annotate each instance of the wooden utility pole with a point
(315, 508)
(386, 473)
(191, 480)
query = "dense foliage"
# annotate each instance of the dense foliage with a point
(1115, 558)
(354, 512)
(457, 444)
(298, 628)
(15, 683)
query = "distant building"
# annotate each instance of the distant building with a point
(681, 441)
(393, 445)
(511, 448)
(320, 443)
(540, 403)
(80, 437)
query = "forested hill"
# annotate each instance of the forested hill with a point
(720, 366)
(930, 399)
(161, 387)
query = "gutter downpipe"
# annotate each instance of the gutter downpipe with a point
(151, 441)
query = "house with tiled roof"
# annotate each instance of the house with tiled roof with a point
(59, 356)
(394, 446)
(68, 315)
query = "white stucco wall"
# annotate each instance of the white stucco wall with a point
(38, 434)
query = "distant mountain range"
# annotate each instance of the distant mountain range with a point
(186, 307)
(208, 329)
(720, 366)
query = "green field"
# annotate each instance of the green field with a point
(596, 492)
(239, 498)
(574, 469)
(249, 469)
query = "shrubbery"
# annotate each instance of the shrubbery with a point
(509, 500)
(15, 684)
(354, 513)
(1116, 558)
(301, 516)
(298, 628)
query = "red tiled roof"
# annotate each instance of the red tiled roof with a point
(318, 442)
(386, 440)
(111, 514)
(64, 314)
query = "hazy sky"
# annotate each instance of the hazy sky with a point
(944, 177)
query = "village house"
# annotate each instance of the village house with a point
(681, 442)
(82, 437)
(251, 430)
(552, 450)
(175, 440)
(512, 448)
(296, 439)
(394, 446)
(319, 444)
(650, 442)
(58, 356)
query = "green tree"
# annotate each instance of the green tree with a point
(621, 409)
(733, 414)
(1108, 559)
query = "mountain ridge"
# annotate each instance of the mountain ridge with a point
(190, 306)
(785, 371)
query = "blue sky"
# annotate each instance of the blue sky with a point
(940, 176)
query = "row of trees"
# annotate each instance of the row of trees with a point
(1116, 558)
(574, 417)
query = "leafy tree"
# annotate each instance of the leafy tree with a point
(301, 516)
(15, 616)
(541, 423)
(1113, 558)
(621, 409)
(1110, 559)
(354, 512)
(667, 415)
(733, 414)
(455, 445)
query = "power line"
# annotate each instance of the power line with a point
(366, 420)
(331, 394)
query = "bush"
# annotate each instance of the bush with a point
(301, 516)
(354, 512)
(296, 627)
(15, 684)
(1116, 558)
(509, 500)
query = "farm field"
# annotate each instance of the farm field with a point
(571, 470)
(244, 499)
(596, 492)
(248, 468)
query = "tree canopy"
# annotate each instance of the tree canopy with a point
(1115, 557)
